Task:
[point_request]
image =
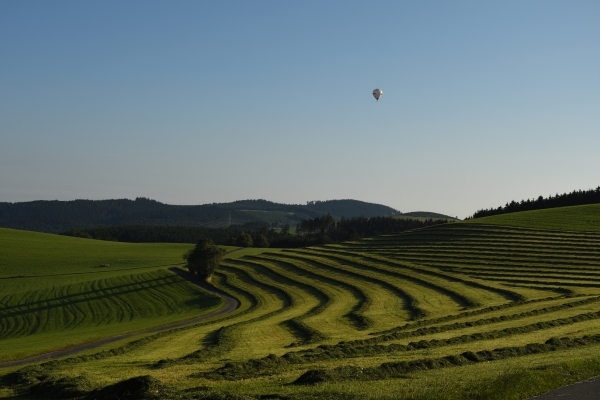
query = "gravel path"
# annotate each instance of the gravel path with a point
(230, 305)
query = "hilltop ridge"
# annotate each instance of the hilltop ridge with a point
(58, 216)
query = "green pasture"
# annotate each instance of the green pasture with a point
(35, 320)
(54, 294)
(454, 311)
(36, 254)
(575, 218)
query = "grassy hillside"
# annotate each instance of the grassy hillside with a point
(575, 218)
(54, 294)
(455, 311)
(32, 253)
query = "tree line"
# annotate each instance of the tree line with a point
(309, 232)
(358, 227)
(59, 216)
(325, 229)
(575, 198)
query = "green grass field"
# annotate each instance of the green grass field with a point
(54, 294)
(33, 253)
(475, 310)
(575, 218)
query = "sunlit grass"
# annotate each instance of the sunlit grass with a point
(575, 218)
(480, 287)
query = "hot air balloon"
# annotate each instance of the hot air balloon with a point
(377, 93)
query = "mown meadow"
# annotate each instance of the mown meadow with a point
(573, 218)
(59, 291)
(474, 310)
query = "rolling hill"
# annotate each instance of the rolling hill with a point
(573, 218)
(427, 214)
(60, 291)
(454, 311)
(61, 216)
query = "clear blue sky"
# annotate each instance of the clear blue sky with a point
(194, 102)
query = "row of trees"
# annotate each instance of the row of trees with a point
(248, 240)
(309, 232)
(58, 216)
(575, 198)
(326, 229)
(320, 225)
(353, 228)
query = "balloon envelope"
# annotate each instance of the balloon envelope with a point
(377, 93)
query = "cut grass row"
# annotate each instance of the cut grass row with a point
(400, 369)
(457, 249)
(575, 218)
(572, 306)
(85, 311)
(286, 310)
(491, 238)
(254, 262)
(380, 280)
(389, 301)
(498, 381)
(518, 271)
(351, 299)
(403, 332)
(439, 286)
(272, 364)
(304, 301)
(399, 299)
(255, 282)
(304, 325)
(483, 260)
(490, 257)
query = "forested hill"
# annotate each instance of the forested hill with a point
(351, 208)
(575, 198)
(427, 214)
(59, 216)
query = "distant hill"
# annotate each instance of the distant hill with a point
(427, 214)
(351, 208)
(60, 216)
